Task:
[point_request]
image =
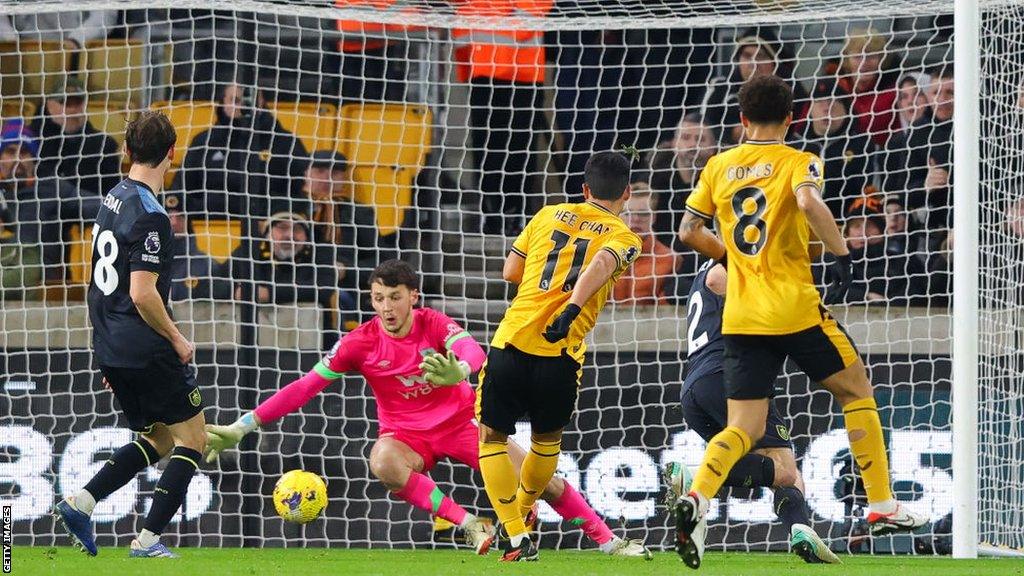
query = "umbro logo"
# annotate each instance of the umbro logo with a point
(383, 364)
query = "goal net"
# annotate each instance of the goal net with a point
(318, 138)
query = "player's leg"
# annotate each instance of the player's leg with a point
(499, 406)
(172, 398)
(554, 386)
(400, 461)
(827, 355)
(124, 464)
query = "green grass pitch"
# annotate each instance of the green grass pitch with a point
(320, 562)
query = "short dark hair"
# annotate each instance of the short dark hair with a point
(941, 72)
(395, 273)
(149, 137)
(766, 99)
(607, 175)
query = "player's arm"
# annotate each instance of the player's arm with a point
(464, 355)
(600, 270)
(515, 263)
(716, 279)
(694, 233)
(285, 401)
(149, 247)
(824, 226)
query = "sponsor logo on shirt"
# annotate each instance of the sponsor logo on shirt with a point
(150, 258)
(384, 364)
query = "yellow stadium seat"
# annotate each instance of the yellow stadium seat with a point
(189, 118)
(27, 69)
(114, 69)
(79, 254)
(110, 118)
(387, 145)
(16, 108)
(316, 125)
(218, 238)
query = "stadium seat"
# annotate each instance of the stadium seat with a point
(218, 238)
(109, 117)
(114, 69)
(16, 108)
(314, 124)
(387, 145)
(28, 68)
(189, 118)
(79, 254)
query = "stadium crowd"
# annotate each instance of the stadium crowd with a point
(881, 126)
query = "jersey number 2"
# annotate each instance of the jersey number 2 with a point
(105, 275)
(693, 311)
(561, 240)
(746, 221)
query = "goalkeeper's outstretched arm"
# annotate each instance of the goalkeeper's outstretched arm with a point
(284, 401)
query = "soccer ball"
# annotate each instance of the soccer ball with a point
(300, 496)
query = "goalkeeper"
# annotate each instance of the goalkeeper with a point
(771, 464)
(416, 361)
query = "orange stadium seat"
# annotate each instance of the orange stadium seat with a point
(27, 69)
(79, 254)
(114, 69)
(111, 118)
(316, 125)
(218, 238)
(16, 108)
(387, 145)
(189, 118)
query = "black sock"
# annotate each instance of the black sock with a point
(124, 465)
(751, 471)
(170, 490)
(791, 507)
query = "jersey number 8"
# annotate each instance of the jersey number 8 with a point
(105, 275)
(741, 202)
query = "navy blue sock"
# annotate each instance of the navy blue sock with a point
(751, 471)
(171, 489)
(122, 466)
(790, 507)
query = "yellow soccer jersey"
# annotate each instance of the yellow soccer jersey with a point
(749, 190)
(558, 243)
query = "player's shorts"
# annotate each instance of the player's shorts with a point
(752, 362)
(514, 384)
(163, 392)
(458, 441)
(705, 412)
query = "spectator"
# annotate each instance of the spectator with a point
(758, 51)
(847, 152)
(862, 71)
(898, 237)
(78, 27)
(912, 99)
(644, 282)
(879, 275)
(917, 166)
(505, 70)
(72, 148)
(40, 210)
(675, 170)
(343, 228)
(242, 162)
(286, 269)
(195, 275)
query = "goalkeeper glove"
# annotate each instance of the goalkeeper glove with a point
(842, 278)
(444, 370)
(559, 329)
(221, 438)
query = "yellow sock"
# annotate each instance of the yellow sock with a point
(500, 482)
(722, 453)
(538, 468)
(868, 446)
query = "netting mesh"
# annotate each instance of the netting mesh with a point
(370, 127)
